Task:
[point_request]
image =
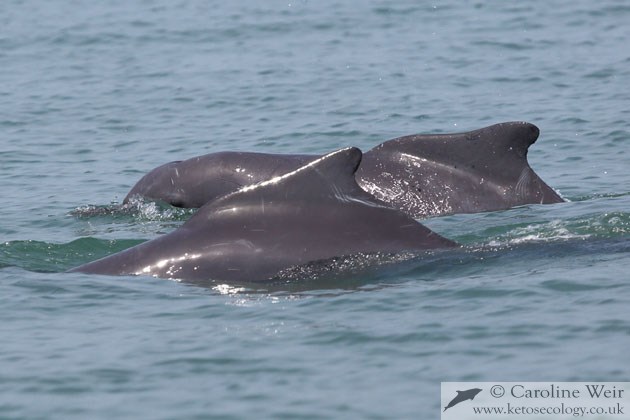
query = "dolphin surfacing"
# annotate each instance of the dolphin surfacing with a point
(481, 170)
(313, 213)
(422, 175)
(194, 182)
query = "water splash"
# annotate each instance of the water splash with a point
(137, 207)
(606, 225)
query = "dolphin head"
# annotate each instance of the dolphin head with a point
(152, 185)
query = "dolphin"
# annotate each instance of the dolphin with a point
(314, 213)
(194, 182)
(461, 396)
(481, 170)
(422, 175)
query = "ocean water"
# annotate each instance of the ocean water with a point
(95, 94)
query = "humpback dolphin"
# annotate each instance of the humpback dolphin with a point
(314, 213)
(481, 170)
(194, 182)
(422, 175)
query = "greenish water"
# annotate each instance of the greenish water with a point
(93, 95)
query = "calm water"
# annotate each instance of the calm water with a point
(94, 94)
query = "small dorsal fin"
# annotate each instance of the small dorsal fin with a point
(331, 176)
(339, 165)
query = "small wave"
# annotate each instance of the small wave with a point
(605, 218)
(598, 196)
(48, 257)
(556, 230)
(594, 226)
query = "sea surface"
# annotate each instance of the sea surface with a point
(95, 94)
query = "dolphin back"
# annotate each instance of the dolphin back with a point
(481, 170)
(314, 213)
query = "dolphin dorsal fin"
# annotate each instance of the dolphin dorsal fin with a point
(331, 176)
(503, 145)
(336, 166)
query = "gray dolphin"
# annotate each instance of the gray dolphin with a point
(314, 213)
(422, 175)
(481, 170)
(194, 182)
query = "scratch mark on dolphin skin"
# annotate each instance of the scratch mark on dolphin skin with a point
(524, 180)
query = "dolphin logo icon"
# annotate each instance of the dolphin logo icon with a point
(469, 394)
